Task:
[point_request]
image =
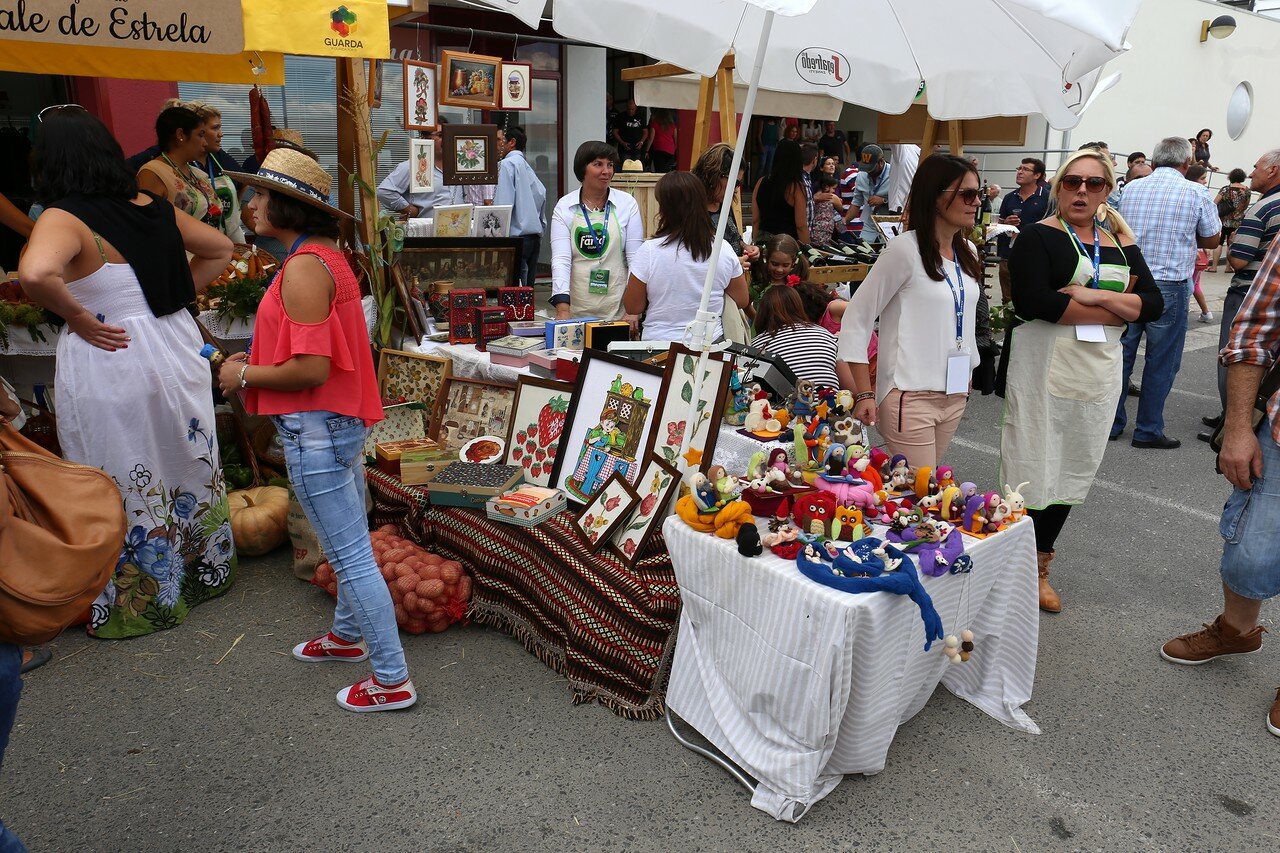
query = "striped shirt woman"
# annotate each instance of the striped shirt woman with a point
(785, 330)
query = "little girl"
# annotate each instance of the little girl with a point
(825, 217)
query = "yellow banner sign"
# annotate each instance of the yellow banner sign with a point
(210, 26)
(350, 28)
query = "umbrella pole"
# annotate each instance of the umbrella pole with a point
(701, 330)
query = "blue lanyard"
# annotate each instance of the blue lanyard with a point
(302, 238)
(958, 300)
(1097, 250)
(598, 241)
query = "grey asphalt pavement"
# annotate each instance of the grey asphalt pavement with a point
(188, 740)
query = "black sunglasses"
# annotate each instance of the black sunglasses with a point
(967, 195)
(1073, 182)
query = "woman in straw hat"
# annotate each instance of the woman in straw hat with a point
(311, 371)
(132, 390)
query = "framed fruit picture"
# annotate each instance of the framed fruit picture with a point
(537, 422)
(469, 80)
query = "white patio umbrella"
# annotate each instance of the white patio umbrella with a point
(874, 53)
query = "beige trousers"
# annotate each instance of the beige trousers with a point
(920, 424)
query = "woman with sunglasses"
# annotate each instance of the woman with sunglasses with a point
(1077, 278)
(924, 288)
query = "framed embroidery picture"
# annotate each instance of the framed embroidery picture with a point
(472, 408)
(422, 165)
(675, 401)
(608, 425)
(608, 509)
(412, 377)
(538, 417)
(420, 96)
(517, 86)
(469, 80)
(658, 482)
(492, 220)
(470, 156)
(452, 220)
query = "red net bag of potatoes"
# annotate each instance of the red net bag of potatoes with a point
(430, 592)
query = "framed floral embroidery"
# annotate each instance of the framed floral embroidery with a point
(672, 409)
(658, 482)
(606, 511)
(470, 156)
(420, 96)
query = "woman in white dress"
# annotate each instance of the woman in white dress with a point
(134, 395)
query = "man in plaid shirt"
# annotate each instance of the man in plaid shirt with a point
(1250, 459)
(1170, 216)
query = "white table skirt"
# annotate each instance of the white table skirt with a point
(799, 684)
(734, 450)
(22, 343)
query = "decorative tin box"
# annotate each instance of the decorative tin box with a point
(471, 484)
(552, 325)
(600, 335)
(518, 302)
(463, 327)
(491, 324)
(527, 506)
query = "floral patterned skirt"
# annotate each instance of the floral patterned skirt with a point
(144, 415)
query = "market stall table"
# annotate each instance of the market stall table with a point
(799, 683)
(607, 628)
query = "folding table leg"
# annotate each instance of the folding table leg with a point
(712, 754)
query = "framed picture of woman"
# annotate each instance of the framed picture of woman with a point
(469, 80)
(420, 96)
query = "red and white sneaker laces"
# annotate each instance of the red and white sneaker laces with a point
(329, 647)
(369, 695)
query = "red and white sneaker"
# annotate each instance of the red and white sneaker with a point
(369, 695)
(330, 647)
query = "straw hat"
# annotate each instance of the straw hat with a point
(285, 134)
(294, 174)
(632, 166)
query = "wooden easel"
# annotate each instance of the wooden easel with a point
(955, 136)
(710, 90)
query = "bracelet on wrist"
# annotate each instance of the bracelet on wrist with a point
(244, 383)
(864, 395)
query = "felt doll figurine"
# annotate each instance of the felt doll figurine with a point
(861, 466)
(785, 542)
(833, 461)
(806, 400)
(968, 490)
(814, 513)
(816, 438)
(849, 525)
(704, 492)
(748, 539)
(1017, 503)
(894, 463)
(951, 505)
(945, 477)
(778, 460)
(924, 482)
(902, 479)
(756, 467)
(975, 515)
(997, 513)
(760, 419)
(844, 403)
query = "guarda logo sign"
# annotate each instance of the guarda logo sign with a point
(822, 66)
(343, 23)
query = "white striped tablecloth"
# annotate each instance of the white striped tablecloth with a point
(799, 684)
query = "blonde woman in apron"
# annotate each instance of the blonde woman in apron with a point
(595, 231)
(1077, 279)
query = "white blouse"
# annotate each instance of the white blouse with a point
(917, 320)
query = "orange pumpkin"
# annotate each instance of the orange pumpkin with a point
(259, 519)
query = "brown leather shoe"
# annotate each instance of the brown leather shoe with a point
(1050, 601)
(1213, 641)
(1273, 719)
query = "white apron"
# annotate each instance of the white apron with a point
(1060, 401)
(586, 258)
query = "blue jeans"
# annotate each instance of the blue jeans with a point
(1250, 528)
(1165, 338)
(324, 454)
(10, 689)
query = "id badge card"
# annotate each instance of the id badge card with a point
(959, 372)
(598, 284)
(1092, 333)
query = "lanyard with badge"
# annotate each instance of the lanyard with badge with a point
(598, 282)
(1089, 332)
(958, 369)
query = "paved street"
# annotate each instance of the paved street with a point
(187, 740)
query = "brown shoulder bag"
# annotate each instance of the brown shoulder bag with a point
(62, 526)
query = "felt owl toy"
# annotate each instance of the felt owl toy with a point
(848, 524)
(815, 512)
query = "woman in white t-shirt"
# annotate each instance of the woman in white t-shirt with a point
(669, 271)
(924, 288)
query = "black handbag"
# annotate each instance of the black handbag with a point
(1266, 390)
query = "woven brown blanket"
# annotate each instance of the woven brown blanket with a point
(608, 628)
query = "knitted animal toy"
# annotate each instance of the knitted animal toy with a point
(870, 565)
(1017, 503)
(849, 525)
(814, 513)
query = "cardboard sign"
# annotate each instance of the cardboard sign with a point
(211, 26)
